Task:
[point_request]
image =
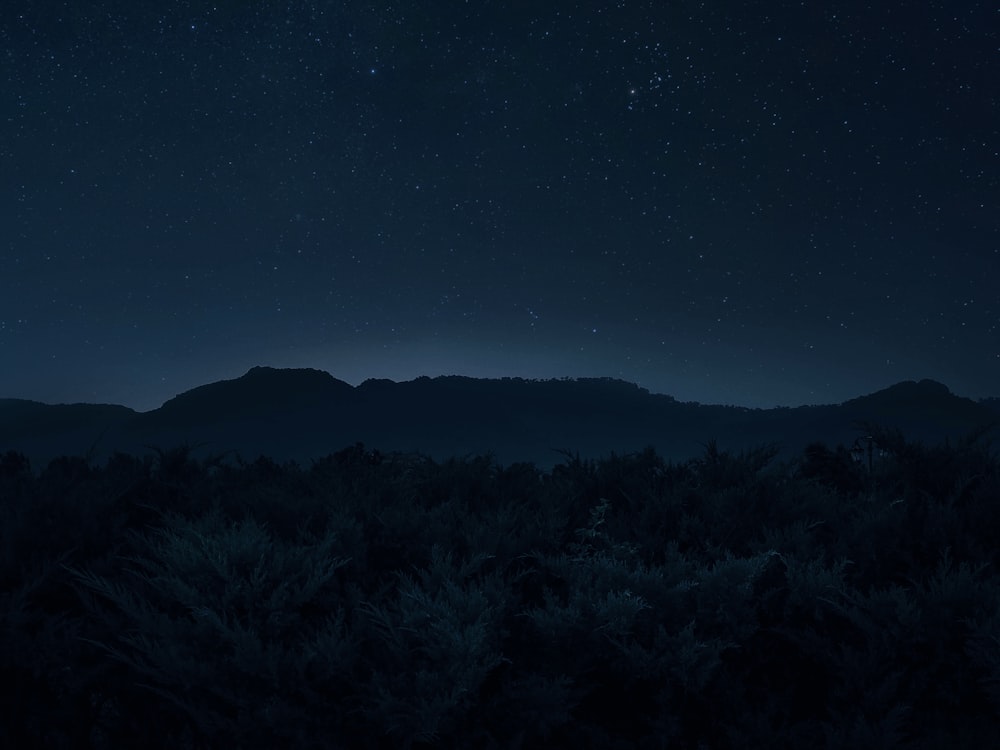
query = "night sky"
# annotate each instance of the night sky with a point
(758, 203)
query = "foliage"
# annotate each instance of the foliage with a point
(385, 600)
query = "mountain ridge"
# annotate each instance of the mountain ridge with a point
(303, 413)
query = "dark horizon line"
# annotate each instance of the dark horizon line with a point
(498, 378)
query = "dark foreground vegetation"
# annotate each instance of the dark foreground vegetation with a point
(373, 601)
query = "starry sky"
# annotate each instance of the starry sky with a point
(760, 202)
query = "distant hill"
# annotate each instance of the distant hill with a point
(302, 414)
(993, 404)
(43, 431)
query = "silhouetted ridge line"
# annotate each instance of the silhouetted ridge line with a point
(305, 414)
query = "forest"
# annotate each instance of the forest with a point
(376, 600)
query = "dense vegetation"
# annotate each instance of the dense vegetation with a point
(373, 601)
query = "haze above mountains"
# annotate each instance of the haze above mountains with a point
(304, 414)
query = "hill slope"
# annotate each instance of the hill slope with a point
(299, 414)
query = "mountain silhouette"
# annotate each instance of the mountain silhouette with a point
(304, 414)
